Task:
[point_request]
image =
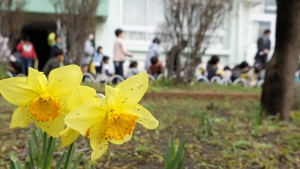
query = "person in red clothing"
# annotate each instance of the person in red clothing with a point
(28, 54)
(156, 67)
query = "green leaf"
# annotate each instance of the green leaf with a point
(61, 160)
(70, 155)
(78, 160)
(27, 163)
(14, 162)
(31, 153)
(47, 155)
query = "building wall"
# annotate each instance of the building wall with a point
(139, 37)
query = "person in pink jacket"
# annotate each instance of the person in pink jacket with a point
(28, 54)
(119, 53)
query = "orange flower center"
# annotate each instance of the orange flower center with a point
(119, 125)
(45, 108)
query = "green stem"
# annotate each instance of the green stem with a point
(45, 162)
(45, 137)
(67, 162)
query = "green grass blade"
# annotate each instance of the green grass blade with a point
(78, 160)
(31, 152)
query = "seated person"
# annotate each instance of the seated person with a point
(105, 68)
(210, 62)
(199, 71)
(214, 70)
(133, 69)
(14, 66)
(156, 67)
(55, 62)
(227, 72)
(240, 71)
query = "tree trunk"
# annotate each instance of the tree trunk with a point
(279, 81)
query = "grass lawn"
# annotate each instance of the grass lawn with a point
(221, 134)
(161, 86)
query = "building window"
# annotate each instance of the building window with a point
(134, 12)
(270, 7)
(142, 12)
(141, 18)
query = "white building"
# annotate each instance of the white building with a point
(140, 18)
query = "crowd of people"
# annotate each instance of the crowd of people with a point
(94, 61)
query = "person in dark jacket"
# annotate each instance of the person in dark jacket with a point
(57, 45)
(173, 59)
(214, 70)
(239, 70)
(54, 62)
(264, 47)
(209, 63)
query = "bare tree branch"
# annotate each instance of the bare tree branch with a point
(195, 21)
(11, 19)
(79, 17)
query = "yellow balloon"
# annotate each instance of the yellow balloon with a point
(51, 39)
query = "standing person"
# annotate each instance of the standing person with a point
(56, 46)
(264, 46)
(28, 54)
(119, 53)
(88, 53)
(55, 62)
(173, 60)
(98, 57)
(154, 51)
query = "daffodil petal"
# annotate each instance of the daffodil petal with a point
(96, 154)
(63, 100)
(37, 80)
(86, 115)
(53, 127)
(98, 143)
(111, 94)
(64, 79)
(21, 117)
(80, 95)
(133, 89)
(119, 142)
(17, 91)
(145, 117)
(68, 136)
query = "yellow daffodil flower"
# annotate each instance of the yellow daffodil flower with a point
(112, 118)
(39, 100)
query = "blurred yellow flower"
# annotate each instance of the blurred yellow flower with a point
(111, 119)
(39, 100)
